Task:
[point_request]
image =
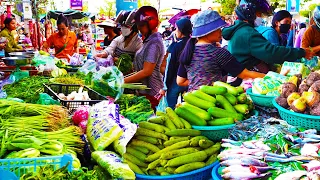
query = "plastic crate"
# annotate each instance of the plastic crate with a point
(54, 89)
(261, 100)
(216, 133)
(21, 166)
(298, 119)
(215, 172)
(199, 174)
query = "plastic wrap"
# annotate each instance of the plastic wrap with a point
(102, 127)
(89, 66)
(111, 162)
(108, 81)
(105, 62)
(76, 59)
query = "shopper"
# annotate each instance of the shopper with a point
(281, 24)
(302, 30)
(110, 30)
(202, 62)
(311, 38)
(129, 42)
(251, 49)
(149, 58)
(64, 41)
(88, 32)
(11, 45)
(171, 89)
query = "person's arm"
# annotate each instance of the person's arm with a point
(307, 38)
(261, 49)
(110, 49)
(246, 74)
(316, 49)
(290, 38)
(142, 74)
(182, 78)
(47, 44)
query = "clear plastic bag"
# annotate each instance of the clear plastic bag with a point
(89, 66)
(42, 60)
(76, 59)
(45, 99)
(105, 62)
(163, 104)
(108, 81)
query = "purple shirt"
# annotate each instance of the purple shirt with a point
(298, 41)
(209, 64)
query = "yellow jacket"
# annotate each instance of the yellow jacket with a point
(12, 45)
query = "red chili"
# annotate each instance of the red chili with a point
(252, 168)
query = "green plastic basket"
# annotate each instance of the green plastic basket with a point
(298, 119)
(216, 133)
(261, 100)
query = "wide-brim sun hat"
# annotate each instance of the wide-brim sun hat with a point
(205, 22)
(107, 23)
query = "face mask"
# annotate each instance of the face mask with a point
(125, 31)
(258, 21)
(284, 28)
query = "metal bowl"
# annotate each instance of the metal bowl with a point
(13, 61)
(22, 54)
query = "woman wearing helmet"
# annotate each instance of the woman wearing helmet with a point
(149, 58)
(128, 43)
(251, 48)
(311, 38)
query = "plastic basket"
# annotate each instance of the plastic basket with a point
(199, 174)
(298, 119)
(215, 172)
(216, 133)
(54, 89)
(21, 166)
(261, 100)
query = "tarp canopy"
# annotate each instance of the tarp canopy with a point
(70, 14)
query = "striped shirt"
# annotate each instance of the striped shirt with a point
(209, 64)
(152, 51)
(117, 46)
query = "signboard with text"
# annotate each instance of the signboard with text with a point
(76, 4)
(293, 6)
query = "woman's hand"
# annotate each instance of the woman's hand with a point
(309, 53)
(160, 94)
(3, 45)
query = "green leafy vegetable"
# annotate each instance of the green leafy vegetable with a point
(124, 63)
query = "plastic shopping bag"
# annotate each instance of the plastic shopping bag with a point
(89, 66)
(163, 104)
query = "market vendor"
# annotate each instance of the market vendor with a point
(64, 41)
(281, 24)
(251, 49)
(128, 43)
(12, 44)
(149, 58)
(311, 38)
(110, 30)
(202, 62)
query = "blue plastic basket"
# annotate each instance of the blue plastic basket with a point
(215, 173)
(199, 174)
(261, 100)
(21, 166)
(298, 119)
(216, 133)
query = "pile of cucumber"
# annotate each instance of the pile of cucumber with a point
(166, 145)
(220, 104)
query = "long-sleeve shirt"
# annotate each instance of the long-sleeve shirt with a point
(117, 46)
(298, 41)
(311, 38)
(12, 45)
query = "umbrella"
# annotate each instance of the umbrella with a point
(182, 13)
(70, 13)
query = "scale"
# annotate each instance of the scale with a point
(19, 59)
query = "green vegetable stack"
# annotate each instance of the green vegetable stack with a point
(166, 144)
(217, 105)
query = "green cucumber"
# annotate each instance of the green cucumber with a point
(221, 113)
(231, 98)
(211, 90)
(190, 117)
(197, 111)
(225, 104)
(221, 122)
(242, 108)
(232, 90)
(184, 132)
(204, 96)
(242, 98)
(192, 99)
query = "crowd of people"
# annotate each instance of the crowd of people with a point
(203, 49)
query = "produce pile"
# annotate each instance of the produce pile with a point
(166, 145)
(76, 96)
(135, 108)
(32, 130)
(268, 85)
(301, 96)
(68, 79)
(276, 150)
(124, 63)
(200, 108)
(27, 89)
